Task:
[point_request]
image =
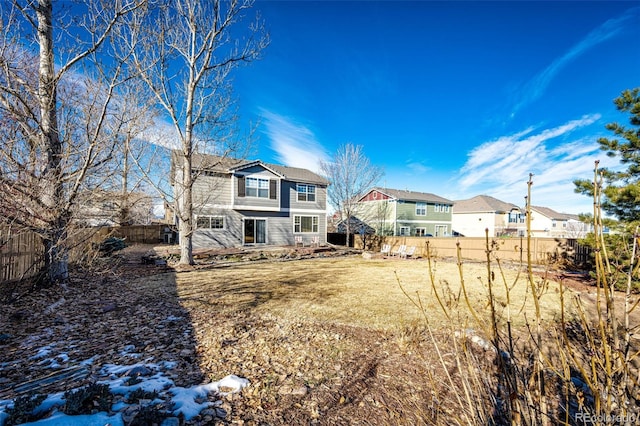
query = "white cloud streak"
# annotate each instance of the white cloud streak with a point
(611, 28)
(501, 167)
(294, 144)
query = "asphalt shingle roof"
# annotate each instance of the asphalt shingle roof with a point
(227, 164)
(482, 203)
(552, 214)
(400, 194)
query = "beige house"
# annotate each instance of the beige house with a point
(473, 216)
(546, 222)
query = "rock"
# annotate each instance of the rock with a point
(171, 421)
(298, 391)
(130, 413)
(139, 370)
(366, 255)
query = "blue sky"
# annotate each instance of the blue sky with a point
(453, 98)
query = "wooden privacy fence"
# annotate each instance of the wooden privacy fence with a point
(21, 253)
(542, 249)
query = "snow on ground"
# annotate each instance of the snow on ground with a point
(124, 379)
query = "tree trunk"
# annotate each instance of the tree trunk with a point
(52, 190)
(186, 213)
(123, 214)
(56, 263)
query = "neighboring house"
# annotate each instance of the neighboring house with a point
(356, 226)
(240, 202)
(546, 222)
(405, 213)
(473, 216)
(105, 208)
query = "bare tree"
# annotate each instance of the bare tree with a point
(135, 115)
(350, 174)
(185, 51)
(55, 105)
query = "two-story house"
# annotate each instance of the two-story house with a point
(405, 213)
(240, 202)
(472, 216)
(546, 222)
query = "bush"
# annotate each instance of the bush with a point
(87, 400)
(23, 410)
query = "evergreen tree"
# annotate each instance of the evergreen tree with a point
(621, 188)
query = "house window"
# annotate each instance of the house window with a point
(442, 230)
(210, 222)
(306, 192)
(553, 223)
(302, 224)
(516, 217)
(256, 187)
(405, 231)
(441, 208)
(421, 232)
(421, 209)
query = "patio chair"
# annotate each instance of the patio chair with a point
(400, 251)
(315, 241)
(298, 240)
(385, 250)
(408, 253)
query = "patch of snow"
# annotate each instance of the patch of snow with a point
(98, 419)
(187, 401)
(233, 382)
(88, 361)
(43, 352)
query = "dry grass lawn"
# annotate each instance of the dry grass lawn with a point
(336, 340)
(364, 293)
(328, 340)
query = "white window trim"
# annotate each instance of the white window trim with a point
(408, 228)
(306, 192)
(420, 203)
(224, 222)
(257, 188)
(314, 218)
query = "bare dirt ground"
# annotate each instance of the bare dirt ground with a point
(315, 352)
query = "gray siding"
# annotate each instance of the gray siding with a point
(212, 190)
(262, 203)
(230, 236)
(217, 195)
(289, 192)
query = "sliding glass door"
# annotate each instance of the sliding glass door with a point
(255, 231)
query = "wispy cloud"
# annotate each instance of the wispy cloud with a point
(501, 167)
(533, 89)
(295, 145)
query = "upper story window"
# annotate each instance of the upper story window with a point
(441, 208)
(421, 209)
(516, 217)
(257, 187)
(306, 192)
